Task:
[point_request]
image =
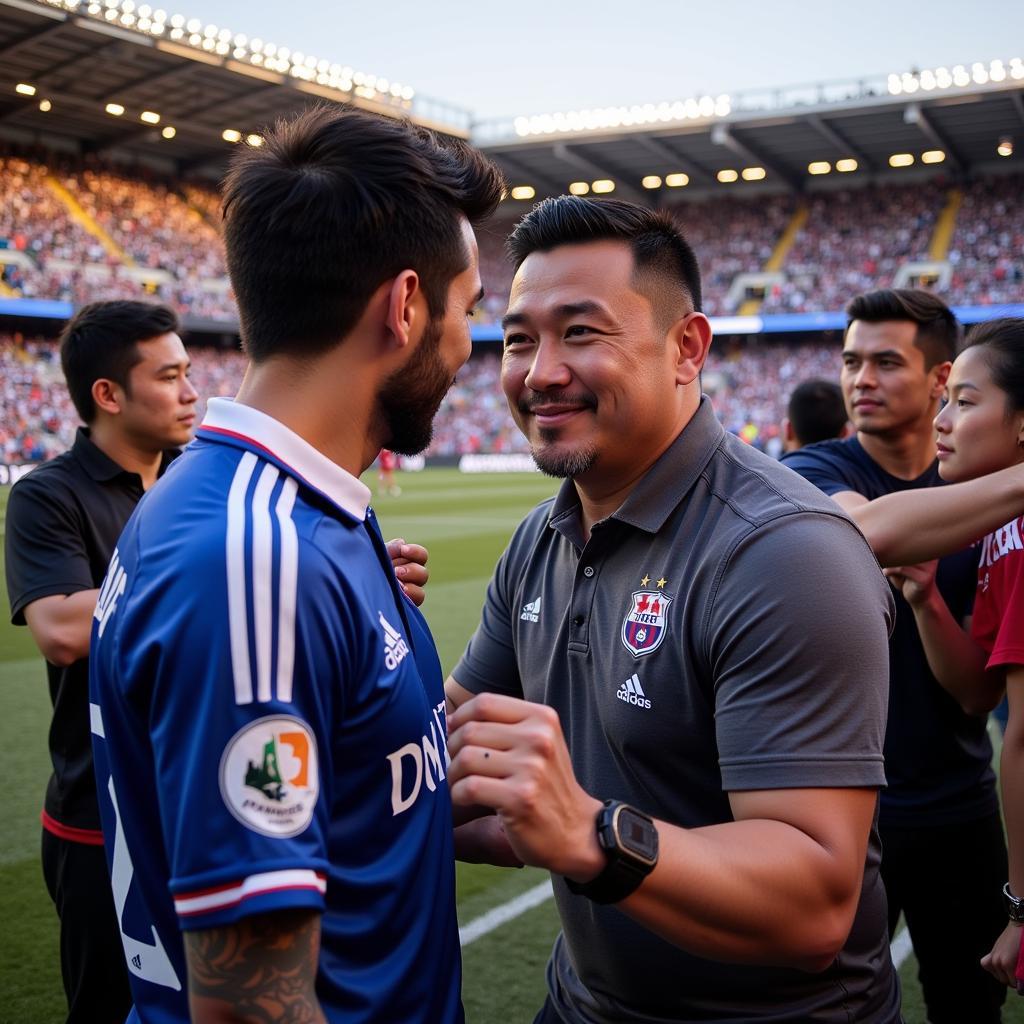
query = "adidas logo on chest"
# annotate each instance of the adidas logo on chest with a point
(633, 693)
(395, 648)
(531, 611)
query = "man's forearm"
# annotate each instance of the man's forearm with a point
(61, 625)
(907, 527)
(754, 892)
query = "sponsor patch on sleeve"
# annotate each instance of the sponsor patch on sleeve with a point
(269, 776)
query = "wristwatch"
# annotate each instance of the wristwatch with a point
(1014, 905)
(630, 843)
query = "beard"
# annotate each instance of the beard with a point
(409, 399)
(552, 462)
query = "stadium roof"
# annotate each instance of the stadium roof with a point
(68, 66)
(961, 121)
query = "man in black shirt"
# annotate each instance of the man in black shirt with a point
(127, 372)
(943, 853)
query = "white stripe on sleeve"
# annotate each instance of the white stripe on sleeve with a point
(288, 584)
(238, 618)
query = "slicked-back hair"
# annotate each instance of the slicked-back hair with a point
(99, 343)
(656, 240)
(938, 331)
(816, 411)
(333, 204)
(1003, 340)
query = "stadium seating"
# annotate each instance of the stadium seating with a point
(83, 231)
(749, 385)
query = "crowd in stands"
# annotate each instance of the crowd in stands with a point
(987, 250)
(748, 383)
(855, 240)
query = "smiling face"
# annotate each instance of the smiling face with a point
(886, 386)
(592, 375)
(977, 431)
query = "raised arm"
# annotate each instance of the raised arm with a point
(914, 526)
(259, 970)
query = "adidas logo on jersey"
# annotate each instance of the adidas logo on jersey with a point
(531, 611)
(395, 648)
(632, 693)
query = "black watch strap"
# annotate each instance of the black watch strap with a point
(630, 842)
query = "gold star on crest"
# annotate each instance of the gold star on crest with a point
(662, 582)
(645, 581)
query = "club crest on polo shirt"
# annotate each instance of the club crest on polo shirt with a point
(644, 626)
(269, 776)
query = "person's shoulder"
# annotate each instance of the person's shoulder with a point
(759, 488)
(836, 452)
(50, 484)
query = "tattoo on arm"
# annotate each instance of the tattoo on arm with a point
(261, 969)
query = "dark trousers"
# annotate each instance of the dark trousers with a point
(947, 881)
(91, 954)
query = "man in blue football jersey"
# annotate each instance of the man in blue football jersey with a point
(267, 705)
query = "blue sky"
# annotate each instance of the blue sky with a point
(542, 56)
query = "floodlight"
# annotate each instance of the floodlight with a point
(114, 109)
(819, 167)
(523, 192)
(933, 156)
(677, 180)
(150, 117)
(603, 185)
(231, 135)
(901, 159)
(651, 181)
(846, 165)
(579, 188)
(754, 173)
(24, 89)
(169, 132)
(727, 175)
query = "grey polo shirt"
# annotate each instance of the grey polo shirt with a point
(726, 629)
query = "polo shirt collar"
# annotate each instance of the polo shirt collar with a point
(231, 422)
(100, 466)
(658, 493)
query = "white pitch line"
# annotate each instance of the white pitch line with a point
(899, 949)
(506, 912)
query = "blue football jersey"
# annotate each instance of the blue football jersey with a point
(268, 729)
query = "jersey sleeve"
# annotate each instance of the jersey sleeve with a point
(797, 645)
(1008, 647)
(489, 662)
(244, 675)
(819, 468)
(44, 546)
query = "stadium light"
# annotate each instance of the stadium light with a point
(24, 89)
(45, 106)
(150, 117)
(727, 176)
(254, 140)
(169, 132)
(846, 165)
(901, 159)
(114, 109)
(1005, 147)
(677, 180)
(603, 186)
(231, 135)
(933, 156)
(819, 167)
(579, 188)
(523, 192)
(651, 181)
(754, 174)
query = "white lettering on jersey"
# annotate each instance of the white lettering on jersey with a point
(110, 593)
(415, 763)
(1004, 540)
(633, 693)
(148, 961)
(531, 611)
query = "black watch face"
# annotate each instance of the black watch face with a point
(638, 835)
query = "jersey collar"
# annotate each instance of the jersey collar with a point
(230, 422)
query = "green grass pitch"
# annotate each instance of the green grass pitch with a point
(465, 522)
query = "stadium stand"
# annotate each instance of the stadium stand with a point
(748, 382)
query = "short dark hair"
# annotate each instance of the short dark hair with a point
(816, 411)
(99, 342)
(1003, 339)
(335, 202)
(938, 332)
(656, 240)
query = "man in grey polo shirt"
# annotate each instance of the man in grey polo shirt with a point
(700, 639)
